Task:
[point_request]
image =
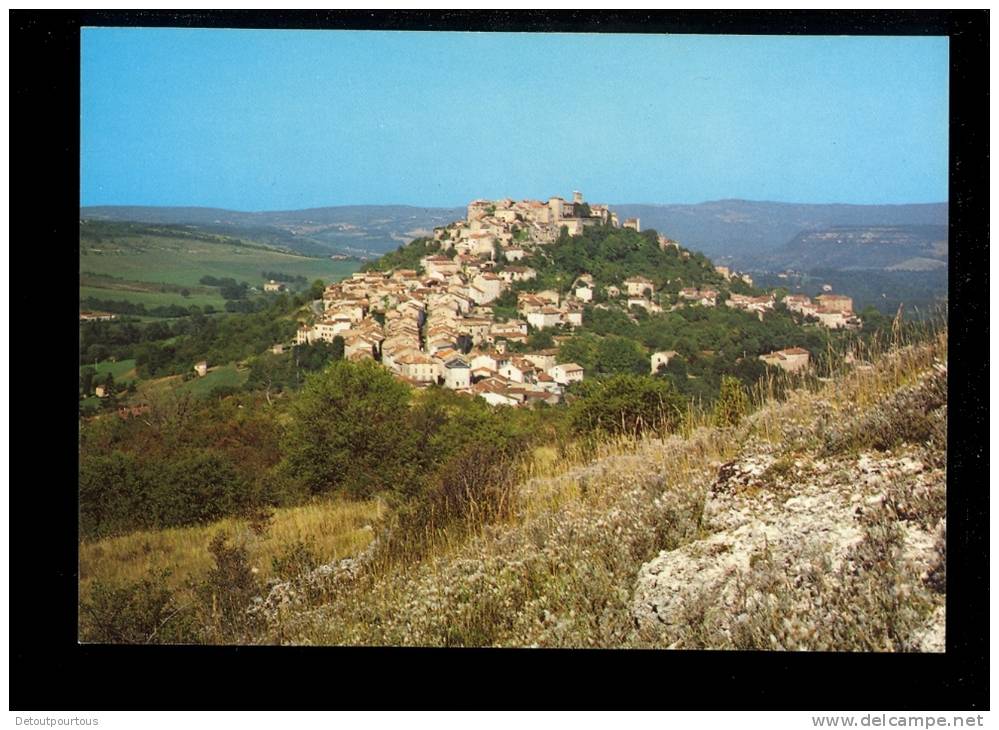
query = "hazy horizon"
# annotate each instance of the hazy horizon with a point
(464, 204)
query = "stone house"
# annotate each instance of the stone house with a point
(418, 367)
(792, 359)
(835, 303)
(661, 359)
(495, 396)
(544, 318)
(573, 316)
(704, 297)
(512, 372)
(637, 285)
(797, 302)
(488, 361)
(490, 284)
(505, 329)
(457, 374)
(518, 273)
(543, 359)
(566, 373)
(834, 318)
(439, 266)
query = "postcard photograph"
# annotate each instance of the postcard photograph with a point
(499, 339)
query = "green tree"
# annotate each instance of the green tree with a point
(540, 340)
(582, 350)
(87, 379)
(316, 290)
(620, 355)
(337, 348)
(270, 373)
(349, 432)
(228, 589)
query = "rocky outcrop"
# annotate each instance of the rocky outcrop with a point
(798, 551)
(286, 595)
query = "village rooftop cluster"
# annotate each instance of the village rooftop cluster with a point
(437, 326)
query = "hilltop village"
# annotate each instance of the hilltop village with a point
(436, 324)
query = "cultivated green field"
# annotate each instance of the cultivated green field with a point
(226, 375)
(198, 387)
(121, 371)
(151, 298)
(183, 261)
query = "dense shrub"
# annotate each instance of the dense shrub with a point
(182, 462)
(114, 494)
(405, 257)
(299, 557)
(626, 405)
(200, 486)
(474, 487)
(227, 591)
(142, 612)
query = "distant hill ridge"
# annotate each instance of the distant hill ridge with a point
(741, 232)
(903, 247)
(746, 233)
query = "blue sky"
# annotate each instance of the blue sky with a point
(271, 120)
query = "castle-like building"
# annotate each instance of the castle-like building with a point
(510, 225)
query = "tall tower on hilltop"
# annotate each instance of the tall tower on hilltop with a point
(577, 197)
(555, 206)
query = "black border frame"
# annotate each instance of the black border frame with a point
(49, 670)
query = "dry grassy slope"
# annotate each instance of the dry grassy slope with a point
(816, 524)
(334, 528)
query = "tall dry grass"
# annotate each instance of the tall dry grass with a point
(335, 529)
